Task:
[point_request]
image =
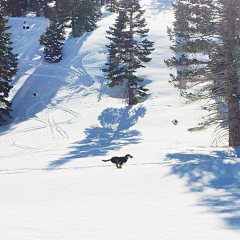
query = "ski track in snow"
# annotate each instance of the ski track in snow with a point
(56, 135)
(71, 72)
(53, 182)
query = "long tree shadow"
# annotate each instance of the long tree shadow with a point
(113, 133)
(217, 176)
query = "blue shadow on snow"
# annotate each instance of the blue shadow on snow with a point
(219, 172)
(113, 133)
(162, 5)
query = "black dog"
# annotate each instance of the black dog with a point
(119, 161)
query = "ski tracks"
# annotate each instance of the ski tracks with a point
(49, 133)
(48, 125)
(48, 117)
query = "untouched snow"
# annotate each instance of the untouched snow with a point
(53, 183)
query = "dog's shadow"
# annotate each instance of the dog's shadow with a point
(112, 133)
(217, 177)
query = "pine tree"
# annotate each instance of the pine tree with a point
(14, 7)
(207, 52)
(39, 5)
(229, 11)
(63, 10)
(128, 48)
(112, 5)
(53, 40)
(84, 16)
(17, 7)
(8, 68)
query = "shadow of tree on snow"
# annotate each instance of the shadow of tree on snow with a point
(113, 133)
(217, 176)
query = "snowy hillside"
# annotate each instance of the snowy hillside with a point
(53, 183)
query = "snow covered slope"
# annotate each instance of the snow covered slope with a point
(53, 183)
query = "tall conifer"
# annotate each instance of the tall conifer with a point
(127, 50)
(112, 5)
(84, 16)
(53, 40)
(206, 34)
(8, 68)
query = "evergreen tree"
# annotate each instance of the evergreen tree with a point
(112, 5)
(8, 68)
(228, 55)
(15, 6)
(78, 18)
(39, 5)
(53, 40)
(128, 48)
(206, 36)
(63, 10)
(84, 16)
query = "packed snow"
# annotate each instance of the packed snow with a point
(53, 183)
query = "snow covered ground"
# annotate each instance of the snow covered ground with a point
(53, 183)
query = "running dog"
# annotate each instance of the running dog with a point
(119, 161)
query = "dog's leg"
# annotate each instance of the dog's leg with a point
(117, 165)
(121, 165)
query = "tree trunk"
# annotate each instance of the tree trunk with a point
(234, 124)
(130, 90)
(234, 113)
(38, 10)
(130, 96)
(233, 86)
(15, 8)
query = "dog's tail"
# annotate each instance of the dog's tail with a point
(106, 160)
